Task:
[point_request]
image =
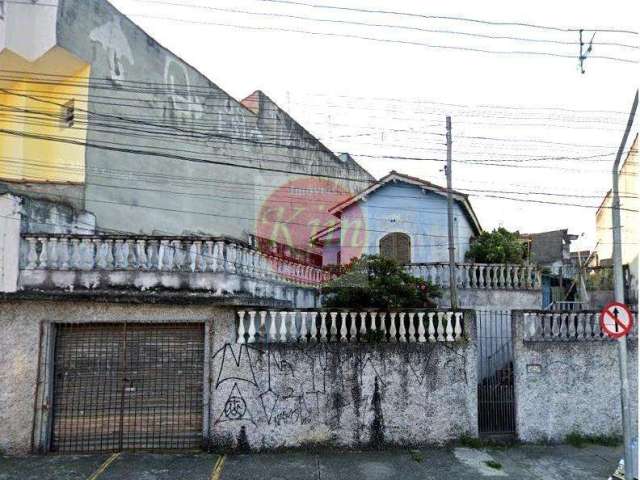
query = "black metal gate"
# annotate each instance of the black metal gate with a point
(127, 386)
(496, 398)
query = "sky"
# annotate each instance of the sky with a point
(524, 126)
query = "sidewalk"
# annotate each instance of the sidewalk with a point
(518, 463)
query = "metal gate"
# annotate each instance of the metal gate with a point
(127, 386)
(496, 398)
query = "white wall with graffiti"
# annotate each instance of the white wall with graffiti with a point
(335, 394)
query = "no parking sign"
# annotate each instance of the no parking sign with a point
(616, 320)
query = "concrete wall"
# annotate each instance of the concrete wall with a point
(9, 242)
(494, 299)
(340, 395)
(400, 207)
(175, 163)
(571, 386)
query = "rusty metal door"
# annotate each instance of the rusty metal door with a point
(127, 386)
(496, 395)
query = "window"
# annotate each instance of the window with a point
(68, 114)
(397, 246)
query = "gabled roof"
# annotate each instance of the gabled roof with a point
(394, 176)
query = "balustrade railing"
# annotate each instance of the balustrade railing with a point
(287, 326)
(480, 275)
(161, 254)
(565, 326)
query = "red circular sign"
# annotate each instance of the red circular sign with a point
(299, 210)
(616, 320)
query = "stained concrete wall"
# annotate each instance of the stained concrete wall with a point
(177, 142)
(564, 387)
(494, 299)
(305, 395)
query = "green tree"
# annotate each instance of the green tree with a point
(375, 282)
(499, 246)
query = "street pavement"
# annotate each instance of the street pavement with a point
(530, 462)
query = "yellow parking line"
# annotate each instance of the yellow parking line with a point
(217, 468)
(104, 466)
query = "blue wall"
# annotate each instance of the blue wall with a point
(401, 207)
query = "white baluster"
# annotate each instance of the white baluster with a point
(218, 256)
(64, 253)
(421, 329)
(323, 326)
(76, 257)
(449, 328)
(363, 326)
(241, 330)
(555, 330)
(101, 253)
(208, 258)
(402, 332)
(232, 256)
(563, 326)
(303, 327)
(457, 325)
(283, 326)
(314, 327)
(572, 325)
(353, 332)
(580, 326)
(273, 332)
(392, 327)
(252, 327)
(193, 257)
(343, 326)
(293, 334)
(412, 329)
(501, 277)
(474, 275)
(374, 322)
(383, 325)
(141, 253)
(509, 278)
(481, 276)
(261, 329)
(44, 254)
(88, 255)
(53, 253)
(333, 331)
(431, 327)
(119, 254)
(441, 328)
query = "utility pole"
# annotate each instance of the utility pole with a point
(453, 287)
(630, 465)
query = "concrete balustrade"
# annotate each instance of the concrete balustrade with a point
(480, 275)
(546, 326)
(170, 254)
(308, 326)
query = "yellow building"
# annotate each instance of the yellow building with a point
(43, 96)
(630, 205)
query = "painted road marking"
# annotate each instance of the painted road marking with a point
(217, 468)
(104, 466)
(616, 320)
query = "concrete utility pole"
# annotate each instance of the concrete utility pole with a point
(630, 463)
(453, 287)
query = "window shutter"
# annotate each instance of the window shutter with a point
(397, 246)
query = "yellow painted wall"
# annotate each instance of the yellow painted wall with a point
(40, 160)
(630, 203)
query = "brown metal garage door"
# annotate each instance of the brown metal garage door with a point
(127, 386)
